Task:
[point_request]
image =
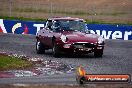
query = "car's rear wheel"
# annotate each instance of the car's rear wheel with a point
(98, 53)
(56, 51)
(40, 48)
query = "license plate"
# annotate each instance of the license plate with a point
(86, 49)
(99, 47)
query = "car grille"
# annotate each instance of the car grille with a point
(83, 45)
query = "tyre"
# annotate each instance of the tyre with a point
(56, 51)
(98, 53)
(40, 48)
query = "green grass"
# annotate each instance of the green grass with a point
(21, 18)
(42, 20)
(102, 22)
(8, 63)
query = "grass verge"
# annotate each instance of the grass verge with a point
(41, 20)
(11, 63)
(22, 18)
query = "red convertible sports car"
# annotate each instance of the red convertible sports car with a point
(68, 35)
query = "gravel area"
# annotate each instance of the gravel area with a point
(117, 59)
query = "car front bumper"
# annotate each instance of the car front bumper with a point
(81, 47)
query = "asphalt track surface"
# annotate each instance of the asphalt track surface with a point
(117, 59)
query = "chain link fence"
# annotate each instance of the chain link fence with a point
(42, 9)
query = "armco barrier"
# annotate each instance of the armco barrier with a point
(108, 31)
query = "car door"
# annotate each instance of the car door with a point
(48, 33)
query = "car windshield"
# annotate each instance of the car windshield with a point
(70, 25)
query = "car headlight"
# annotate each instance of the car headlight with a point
(101, 40)
(63, 38)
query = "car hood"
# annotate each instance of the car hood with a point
(81, 37)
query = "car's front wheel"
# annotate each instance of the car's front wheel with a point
(40, 48)
(56, 51)
(98, 53)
